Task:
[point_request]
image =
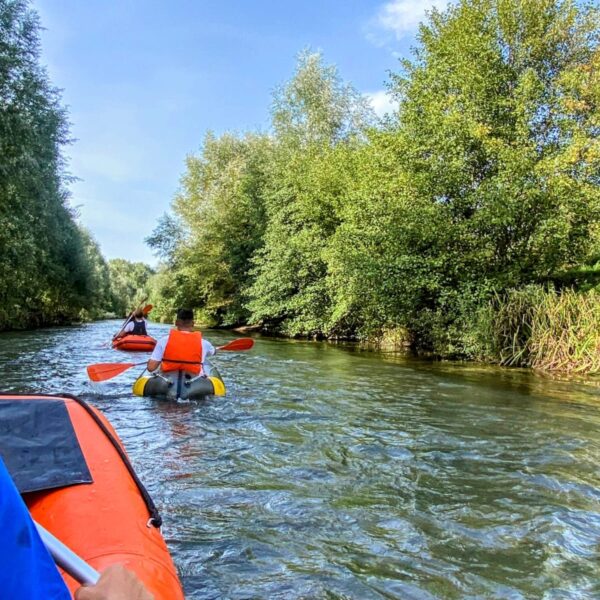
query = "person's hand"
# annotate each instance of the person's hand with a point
(115, 583)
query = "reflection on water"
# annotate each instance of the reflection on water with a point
(332, 473)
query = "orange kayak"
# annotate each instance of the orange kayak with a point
(135, 343)
(111, 520)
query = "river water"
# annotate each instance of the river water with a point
(331, 473)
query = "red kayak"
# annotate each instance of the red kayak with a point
(135, 343)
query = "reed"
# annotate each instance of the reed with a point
(547, 330)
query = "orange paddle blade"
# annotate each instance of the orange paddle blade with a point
(104, 371)
(147, 308)
(239, 344)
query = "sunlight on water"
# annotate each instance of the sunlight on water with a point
(331, 473)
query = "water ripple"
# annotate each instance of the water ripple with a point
(330, 473)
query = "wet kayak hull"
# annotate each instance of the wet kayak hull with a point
(135, 343)
(180, 385)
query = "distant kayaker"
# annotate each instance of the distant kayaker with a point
(183, 349)
(136, 326)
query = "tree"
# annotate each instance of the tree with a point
(485, 180)
(317, 121)
(44, 277)
(129, 284)
(490, 179)
(217, 225)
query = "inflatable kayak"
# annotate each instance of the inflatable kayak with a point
(178, 384)
(78, 483)
(135, 343)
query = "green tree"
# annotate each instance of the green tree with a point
(217, 226)
(92, 282)
(489, 179)
(129, 284)
(317, 121)
(45, 276)
(484, 181)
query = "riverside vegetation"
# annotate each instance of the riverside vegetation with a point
(52, 270)
(465, 224)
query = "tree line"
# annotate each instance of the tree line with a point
(438, 226)
(51, 270)
(464, 224)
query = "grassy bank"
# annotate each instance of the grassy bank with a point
(543, 329)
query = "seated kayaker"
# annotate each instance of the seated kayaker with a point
(136, 326)
(183, 349)
(28, 570)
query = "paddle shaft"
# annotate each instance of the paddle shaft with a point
(67, 560)
(104, 371)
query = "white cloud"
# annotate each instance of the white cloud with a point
(402, 17)
(381, 102)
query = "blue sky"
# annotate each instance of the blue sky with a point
(145, 79)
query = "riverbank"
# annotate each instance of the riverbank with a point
(32, 323)
(534, 327)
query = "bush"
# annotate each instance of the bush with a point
(544, 329)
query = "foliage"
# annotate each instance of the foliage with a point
(219, 224)
(316, 107)
(481, 183)
(94, 280)
(317, 121)
(545, 330)
(166, 237)
(163, 289)
(290, 291)
(128, 285)
(485, 180)
(51, 270)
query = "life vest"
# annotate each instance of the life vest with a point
(139, 328)
(183, 352)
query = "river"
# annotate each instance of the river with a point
(337, 474)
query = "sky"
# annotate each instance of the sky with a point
(144, 80)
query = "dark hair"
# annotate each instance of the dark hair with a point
(185, 314)
(139, 313)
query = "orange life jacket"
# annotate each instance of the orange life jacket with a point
(183, 352)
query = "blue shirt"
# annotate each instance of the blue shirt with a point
(27, 571)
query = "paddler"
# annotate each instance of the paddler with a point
(136, 326)
(183, 349)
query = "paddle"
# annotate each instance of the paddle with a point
(65, 558)
(238, 345)
(104, 371)
(146, 310)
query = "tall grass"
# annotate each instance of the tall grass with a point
(546, 330)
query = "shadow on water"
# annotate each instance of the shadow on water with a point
(331, 473)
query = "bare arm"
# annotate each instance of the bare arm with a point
(125, 331)
(153, 364)
(156, 356)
